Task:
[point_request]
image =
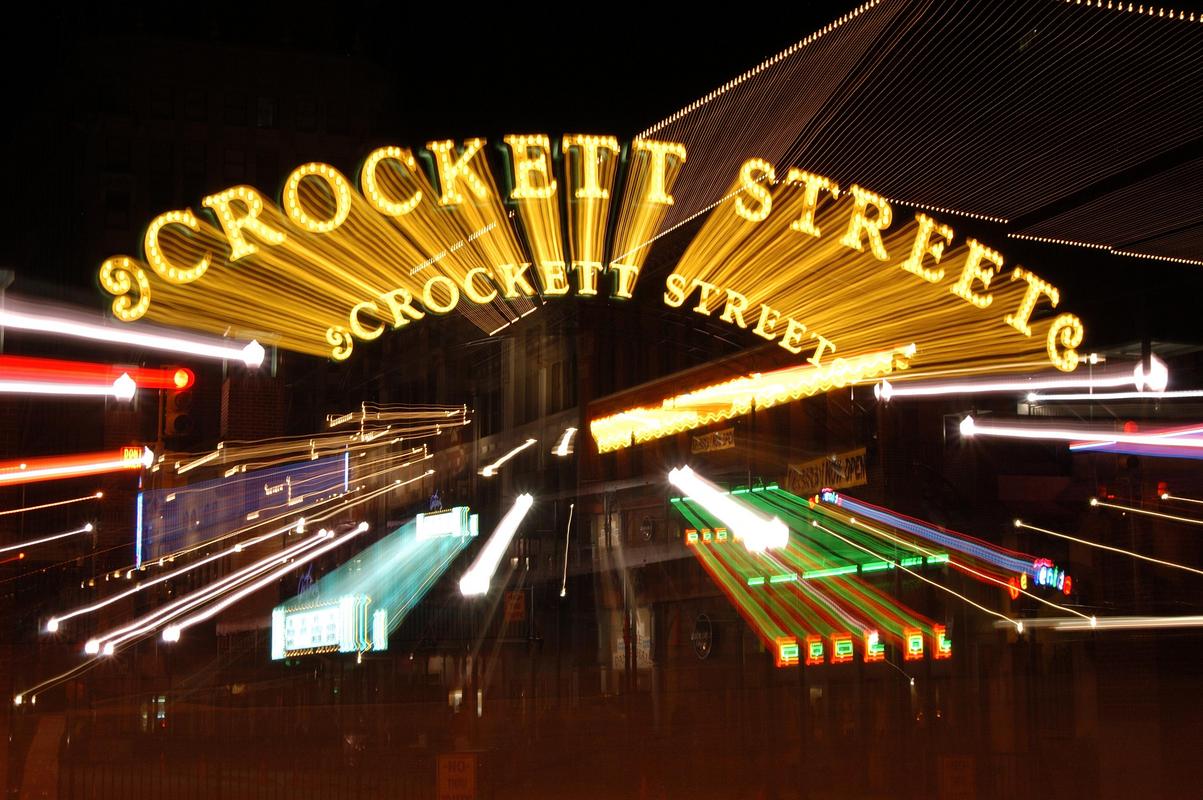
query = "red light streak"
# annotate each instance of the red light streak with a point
(82, 373)
(32, 470)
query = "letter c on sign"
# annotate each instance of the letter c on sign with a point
(357, 326)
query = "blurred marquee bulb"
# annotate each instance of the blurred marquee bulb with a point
(757, 532)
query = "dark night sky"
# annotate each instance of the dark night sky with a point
(454, 73)
(548, 69)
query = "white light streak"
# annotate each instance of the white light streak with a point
(1102, 397)
(567, 537)
(172, 632)
(491, 469)
(758, 533)
(1094, 501)
(887, 391)
(971, 427)
(564, 446)
(476, 580)
(59, 324)
(55, 622)
(1070, 624)
(85, 529)
(1088, 543)
(108, 642)
(119, 389)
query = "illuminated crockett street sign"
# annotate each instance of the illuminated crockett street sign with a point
(431, 233)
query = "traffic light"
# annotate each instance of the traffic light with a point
(177, 421)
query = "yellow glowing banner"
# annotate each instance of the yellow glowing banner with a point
(723, 401)
(788, 257)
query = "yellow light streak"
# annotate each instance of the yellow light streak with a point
(85, 498)
(723, 401)
(1088, 543)
(900, 288)
(1168, 496)
(1094, 501)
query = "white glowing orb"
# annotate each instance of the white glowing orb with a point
(124, 387)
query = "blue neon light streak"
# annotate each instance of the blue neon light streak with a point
(948, 540)
(138, 528)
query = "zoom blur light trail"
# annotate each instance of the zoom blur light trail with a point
(1009, 561)
(476, 580)
(84, 499)
(1016, 623)
(58, 322)
(787, 603)
(564, 446)
(1185, 444)
(23, 545)
(1172, 564)
(172, 632)
(55, 622)
(1095, 502)
(32, 470)
(491, 469)
(758, 533)
(805, 555)
(1108, 397)
(54, 376)
(107, 643)
(339, 503)
(384, 581)
(1155, 381)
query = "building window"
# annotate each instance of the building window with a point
(265, 112)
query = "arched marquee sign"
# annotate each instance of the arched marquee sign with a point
(834, 274)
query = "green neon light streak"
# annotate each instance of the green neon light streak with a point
(873, 602)
(829, 572)
(788, 577)
(780, 606)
